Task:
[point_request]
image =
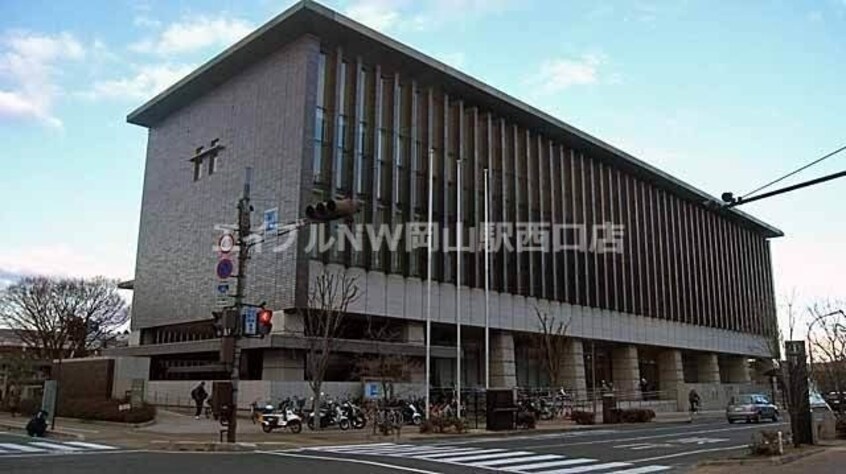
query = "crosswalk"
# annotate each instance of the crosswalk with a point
(40, 447)
(495, 459)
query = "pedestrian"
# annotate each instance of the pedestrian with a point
(199, 395)
(694, 399)
(14, 399)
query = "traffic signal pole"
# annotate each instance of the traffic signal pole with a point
(244, 230)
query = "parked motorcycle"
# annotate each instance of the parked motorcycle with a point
(330, 415)
(411, 414)
(282, 418)
(354, 414)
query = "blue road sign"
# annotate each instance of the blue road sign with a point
(224, 268)
(222, 288)
(250, 321)
(271, 220)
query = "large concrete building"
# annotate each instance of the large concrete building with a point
(322, 107)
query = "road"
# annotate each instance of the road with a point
(635, 449)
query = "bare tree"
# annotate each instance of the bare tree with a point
(330, 295)
(827, 341)
(791, 312)
(552, 343)
(63, 317)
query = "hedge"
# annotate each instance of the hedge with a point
(105, 410)
(583, 417)
(630, 415)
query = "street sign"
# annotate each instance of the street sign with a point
(226, 243)
(271, 220)
(224, 301)
(222, 288)
(250, 320)
(224, 268)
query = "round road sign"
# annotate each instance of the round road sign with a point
(224, 268)
(226, 243)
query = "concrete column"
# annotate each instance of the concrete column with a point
(503, 370)
(737, 369)
(414, 333)
(288, 323)
(670, 372)
(709, 368)
(625, 371)
(283, 364)
(573, 367)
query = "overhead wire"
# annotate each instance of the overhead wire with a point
(792, 173)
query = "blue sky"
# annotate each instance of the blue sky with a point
(725, 95)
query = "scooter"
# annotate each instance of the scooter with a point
(411, 414)
(354, 414)
(284, 418)
(330, 415)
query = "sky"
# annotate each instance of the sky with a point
(724, 95)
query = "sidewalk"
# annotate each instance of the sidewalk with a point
(174, 430)
(827, 461)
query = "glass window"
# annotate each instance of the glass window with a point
(198, 169)
(212, 162)
(339, 165)
(361, 160)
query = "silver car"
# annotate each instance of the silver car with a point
(751, 408)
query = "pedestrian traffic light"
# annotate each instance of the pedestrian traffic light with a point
(265, 321)
(332, 209)
(225, 322)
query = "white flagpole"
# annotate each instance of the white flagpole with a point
(458, 241)
(429, 283)
(487, 285)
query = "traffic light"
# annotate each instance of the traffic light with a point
(225, 322)
(332, 209)
(265, 322)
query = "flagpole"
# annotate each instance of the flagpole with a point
(429, 283)
(458, 240)
(487, 285)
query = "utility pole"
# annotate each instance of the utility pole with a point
(244, 230)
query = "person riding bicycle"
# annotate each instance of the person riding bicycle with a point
(694, 399)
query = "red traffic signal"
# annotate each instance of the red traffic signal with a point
(265, 321)
(332, 209)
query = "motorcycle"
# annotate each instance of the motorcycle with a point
(354, 414)
(411, 414)
(330, 415)
(283, 418)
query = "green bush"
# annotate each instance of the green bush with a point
(765, 443)
(630, 415)
(583, 417)
(105, 410)
(438, 424)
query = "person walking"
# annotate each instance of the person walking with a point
(199, 395)
(695, 400)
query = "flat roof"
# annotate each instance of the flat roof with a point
(309, 17)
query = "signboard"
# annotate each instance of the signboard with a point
(226, 243)
(250, 321)
(136, 393)
(222, 288)
(372, 390)
(224, 268)
(224, 301)
(48, 400)
(271, 220)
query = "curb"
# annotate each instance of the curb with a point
(202, 446)
(765, 461)
(50, 434)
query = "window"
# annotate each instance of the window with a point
(320, 135)
(339, 171)
(212, 162)
(198, 169)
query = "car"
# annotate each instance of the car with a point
(752, 407)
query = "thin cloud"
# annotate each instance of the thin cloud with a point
(556, 75)
(145, 83)
(195, 34)
(29, 63)
(385, 15)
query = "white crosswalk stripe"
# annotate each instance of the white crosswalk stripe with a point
(495, 459)
(33, 448)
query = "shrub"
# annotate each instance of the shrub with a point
(105, 410)
(637, 415)
(584, 417)
(765, 443)
(526, 419)
(438, 424)
(29, 406)
(840, 426)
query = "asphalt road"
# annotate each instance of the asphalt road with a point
(635, 449)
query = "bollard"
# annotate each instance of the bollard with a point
(780, 443)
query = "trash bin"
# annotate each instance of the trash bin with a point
(501, 409)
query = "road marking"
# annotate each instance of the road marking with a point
(639, 438)
(688, 453)
(542, 465)
(583, 432)
(434, 451)
(89, 445)
(700, 440)
(523, 459)
(641, 470)
(450, 453)
(23, 448)
(353, 461)
(61, 447)
(482, 457)
(345, 446)
(578, 469)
